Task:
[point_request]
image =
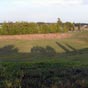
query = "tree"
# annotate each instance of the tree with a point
(79, 27)
(59, 25)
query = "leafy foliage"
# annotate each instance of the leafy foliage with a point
(11, 28)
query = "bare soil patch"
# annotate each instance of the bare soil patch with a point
(36, 36)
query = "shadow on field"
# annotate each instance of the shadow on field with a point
(71, 51)
(45, 52)
(8, 50)
(11, 53)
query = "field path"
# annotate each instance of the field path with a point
(36, 36)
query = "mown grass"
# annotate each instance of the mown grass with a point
(71, 50)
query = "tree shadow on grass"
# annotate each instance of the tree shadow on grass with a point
(72, 51)
(8, 50)
(10, 53)
(45, 52)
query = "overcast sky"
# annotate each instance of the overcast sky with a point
(44, 10)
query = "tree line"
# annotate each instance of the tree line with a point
(10, 28)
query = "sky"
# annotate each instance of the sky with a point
(44, 10)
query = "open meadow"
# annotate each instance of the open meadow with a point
(64, 48)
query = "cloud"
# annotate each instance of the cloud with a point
(49, 2)
(62, 2)
(43, 3)
(40, 10)
(85, 2)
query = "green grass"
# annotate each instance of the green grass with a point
(73, 50)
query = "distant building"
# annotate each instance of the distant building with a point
(85, 27)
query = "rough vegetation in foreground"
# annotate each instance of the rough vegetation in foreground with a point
(42, 75)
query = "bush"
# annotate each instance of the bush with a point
(42, 75)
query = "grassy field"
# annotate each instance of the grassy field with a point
(68, 50)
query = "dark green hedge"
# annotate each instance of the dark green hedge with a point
(42, 75)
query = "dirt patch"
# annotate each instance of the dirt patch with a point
(35, 36)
